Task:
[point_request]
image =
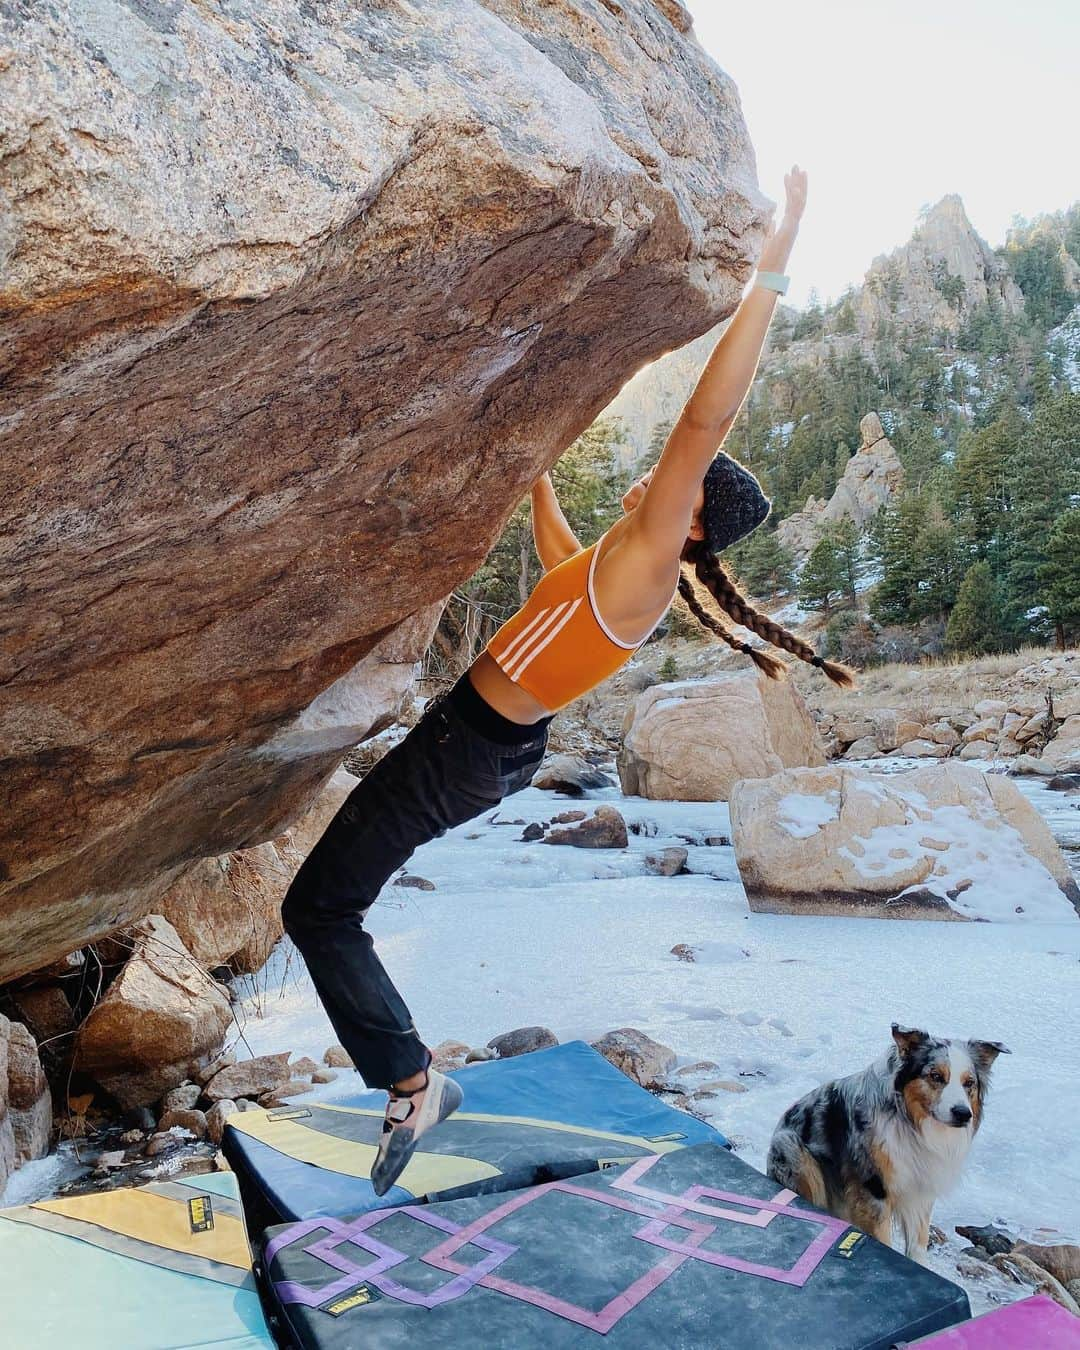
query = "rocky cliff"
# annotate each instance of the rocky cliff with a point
(934, 281)
(297, 301)
(873, 477)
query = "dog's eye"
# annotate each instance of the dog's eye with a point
(936, 1076)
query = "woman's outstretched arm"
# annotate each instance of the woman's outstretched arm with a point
(721, 389)
(555, 540)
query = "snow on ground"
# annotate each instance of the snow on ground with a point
(580, 940)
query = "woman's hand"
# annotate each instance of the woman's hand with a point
(781, 239)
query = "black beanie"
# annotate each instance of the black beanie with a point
(734, 503)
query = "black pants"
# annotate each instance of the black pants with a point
(462, 758)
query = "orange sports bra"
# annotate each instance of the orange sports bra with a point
(557, 646)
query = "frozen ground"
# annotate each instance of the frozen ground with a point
(580, 941)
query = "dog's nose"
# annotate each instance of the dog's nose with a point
(961, 1114)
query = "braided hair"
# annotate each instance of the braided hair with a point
(700, 562)
(734, 506)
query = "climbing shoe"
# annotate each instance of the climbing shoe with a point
(408, 1116)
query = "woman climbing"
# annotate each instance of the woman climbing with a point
(589, 613)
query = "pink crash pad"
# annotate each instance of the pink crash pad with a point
(1034, 1323)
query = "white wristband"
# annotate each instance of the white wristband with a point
(773, 281)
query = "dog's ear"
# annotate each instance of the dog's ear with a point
(908, 1038)
(985, 1052)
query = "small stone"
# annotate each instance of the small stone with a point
(302, 1068)
(532, 833)
(568, 817)
(324, 1076)
(225, 1061)
(717, 841)
(992, 1240)
(638, 1056)
(337, 1057)
(107, 1161)
(182, 1098)
(1025, 1271)
(250, 1078)
(973, 1269)
(1062, 1259)
(669, 862)
(604, 829)
(194, 1121)
(216, 1117)
(414, 883)
(161, 1143)
(480, 1053)
(937, 1236)
(523, 1041)
(130, 1137)
(682, 951)
(701, 1066)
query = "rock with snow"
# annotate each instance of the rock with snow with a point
(922, 749)
(299, 299)
(605, 828)
(638, 1056)
(937, 842)
(414, 883)
(1031, 764)
(250, 1078)
(193, 1121)
(159, 1020)
(337, 1057)
(669, 862)
(523, 1041)
(866, 747)
(571, 775)
(693, 740)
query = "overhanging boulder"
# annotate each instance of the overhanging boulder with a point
(296, 305)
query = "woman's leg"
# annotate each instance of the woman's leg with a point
(441, 775)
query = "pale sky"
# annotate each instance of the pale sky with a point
(889, 106)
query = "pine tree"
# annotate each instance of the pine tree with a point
(845, 541)
(762, 563)
(977, 623)
(1059, 577)
(1044, 483)
(821, 578)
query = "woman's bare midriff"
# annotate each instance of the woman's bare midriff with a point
(501, 693)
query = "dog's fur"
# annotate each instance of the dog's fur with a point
(883, 1144)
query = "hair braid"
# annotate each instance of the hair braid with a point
(712, 574)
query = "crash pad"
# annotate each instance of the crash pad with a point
(1030, 1324)
(160, 1267)
(554, 1113)
(689, 1248)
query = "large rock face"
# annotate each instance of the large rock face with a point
(872, 479)
(298, 300)
(938, 278)
(942, 842)
(693, 740)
